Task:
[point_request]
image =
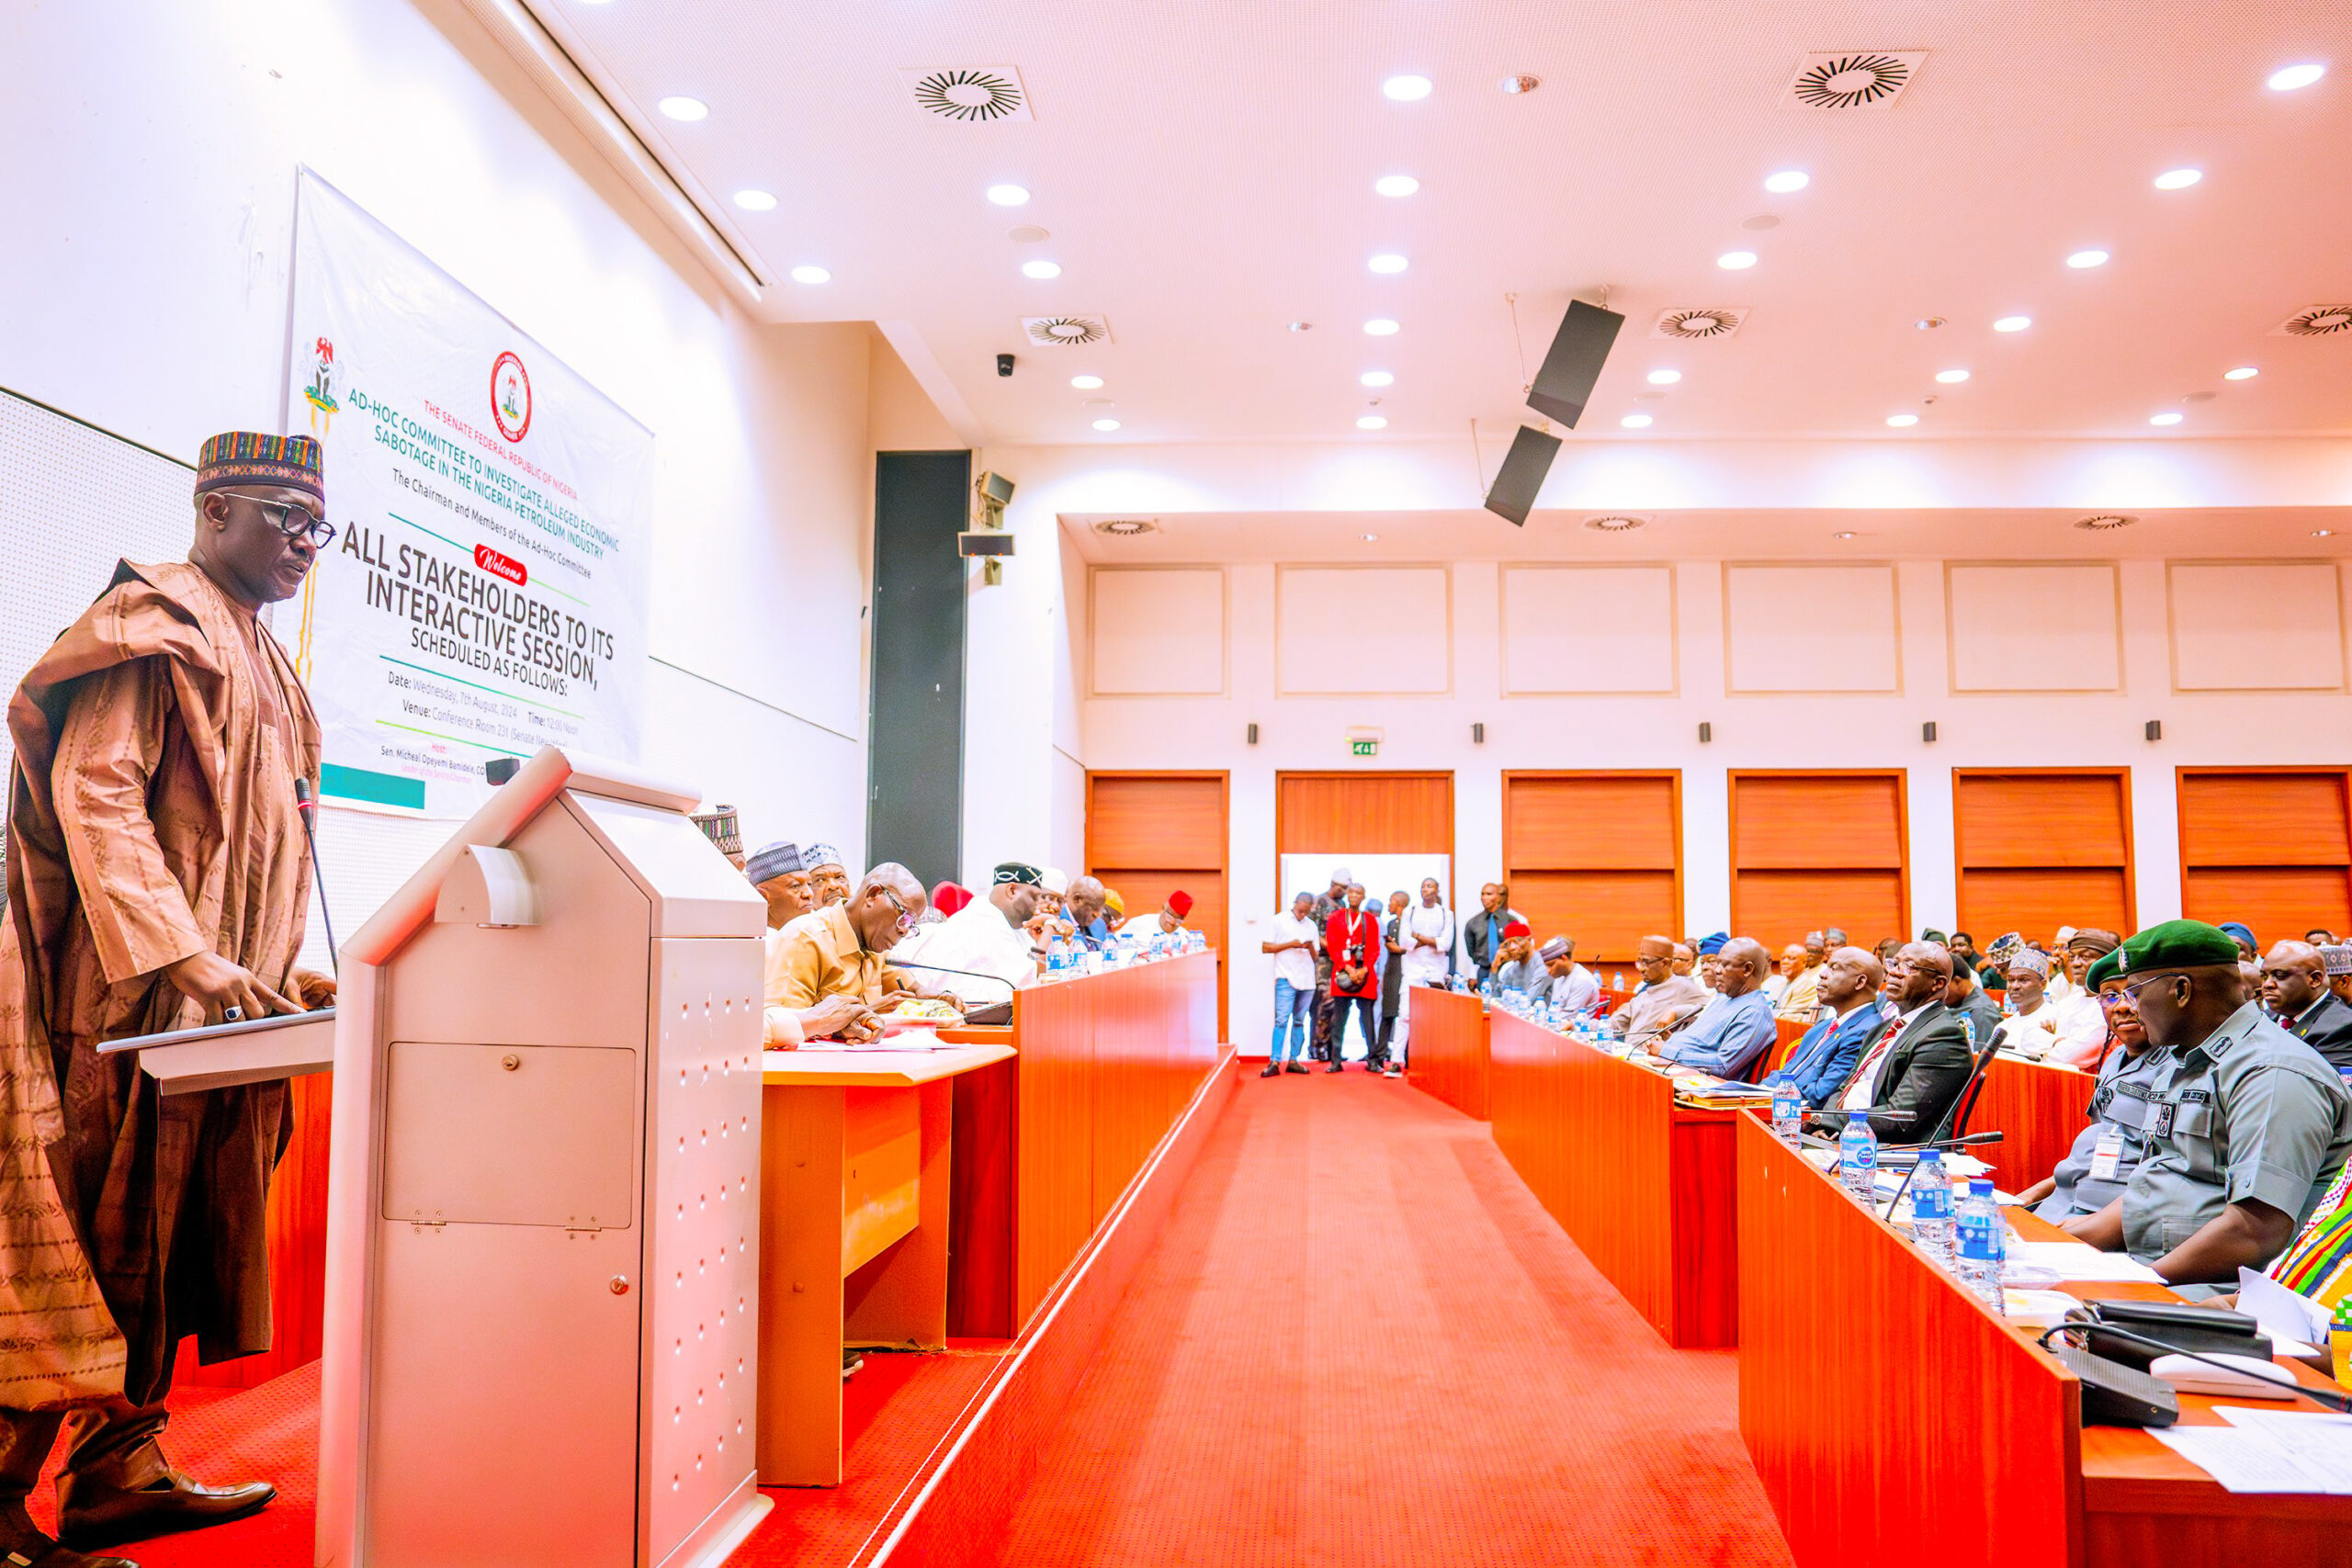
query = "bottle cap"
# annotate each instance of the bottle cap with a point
(1980, 1186)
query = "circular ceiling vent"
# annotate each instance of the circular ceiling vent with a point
(971, 95)
(1698, 324)
(1126, 527)
(1851, 81)
(2106, 520)
(2320, 320)
(1615, 523)
(1065, 331)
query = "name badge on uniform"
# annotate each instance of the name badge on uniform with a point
(2107, 1156)
(2161, 1127)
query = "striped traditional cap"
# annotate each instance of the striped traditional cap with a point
(249, 457)
(779, 859)
(815, 855)
(2338, 960)
(1557, 947)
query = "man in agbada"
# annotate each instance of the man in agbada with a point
(158, 878)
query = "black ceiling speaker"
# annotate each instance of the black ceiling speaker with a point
(1565, 384)
(1521, 475)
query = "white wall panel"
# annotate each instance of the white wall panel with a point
(1587, 630)
(1158, 633)
(1362, 631)
(2256, 628)
(2032, 628)
(1810, 629)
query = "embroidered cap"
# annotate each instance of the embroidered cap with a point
(249, 457)
(817, 855)
(1557, 947)
(2337, 959)
(1712, 943)
(1056, 881)
(779, 859)
(1016, 871)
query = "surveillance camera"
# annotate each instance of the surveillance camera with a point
(1004, 365)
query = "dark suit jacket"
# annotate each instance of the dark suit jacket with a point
(1924, 1074)
(2327, 1029)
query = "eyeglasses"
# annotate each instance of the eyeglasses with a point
(906, 921)
(2132, 988)
(293, 519)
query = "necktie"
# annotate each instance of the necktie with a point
(1869, 1058)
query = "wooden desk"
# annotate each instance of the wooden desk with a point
(2039, 1108)
(1046, 1142)
(1446, 1050)
(1893, 1417)
(855, 1156)
(1643, 1185)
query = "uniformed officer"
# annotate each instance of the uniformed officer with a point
(2097, 1170)
(2248, 1125)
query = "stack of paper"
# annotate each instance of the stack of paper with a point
(2269, 1451)
(2076, 1260)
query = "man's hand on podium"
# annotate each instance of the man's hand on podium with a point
(221, 986)
(316, 990)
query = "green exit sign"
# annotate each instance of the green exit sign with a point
(1363, 748)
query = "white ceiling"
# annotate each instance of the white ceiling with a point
(1206, 170)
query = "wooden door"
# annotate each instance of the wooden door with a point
(2041, 847)
(2270, 847)
(1813, 850)
(1151, 834)
(1595, 856)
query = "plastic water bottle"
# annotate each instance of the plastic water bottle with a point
(1983, 1238)
(1788, 1109)
(1858, 1159)
(1616, 979)
(1931, 1208)
(1486, 988)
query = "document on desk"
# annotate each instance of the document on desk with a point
(2283, 1314)
(2078, 1260)
(2269, 1451)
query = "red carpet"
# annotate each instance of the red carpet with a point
(1361, 1342)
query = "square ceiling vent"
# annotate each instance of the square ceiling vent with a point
(1853, 79)
(973, 95)
(1692, 323)
(1066, 332)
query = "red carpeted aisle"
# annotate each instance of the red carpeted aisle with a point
(1361, 1342)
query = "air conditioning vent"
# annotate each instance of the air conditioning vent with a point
(1065, 331)
(1688, 325)
(1127, 528)
(2105, 522)
(973, 94)
(1616, 523)
(1851, 79)
(2317, 320)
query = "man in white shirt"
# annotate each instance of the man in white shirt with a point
(1665, 999)
(984, 938)
(1292, 938)
(1572, 988)
(1429, 938)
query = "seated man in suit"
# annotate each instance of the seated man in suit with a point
(2295, 989)
(1850, 978)
(1965, 997)
(1914, 1066)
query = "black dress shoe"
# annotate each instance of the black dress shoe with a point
(92, 1514)
(1270, 1071)
(1335, 1068)
(1294, 1068)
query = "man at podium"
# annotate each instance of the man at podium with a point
(158, 878)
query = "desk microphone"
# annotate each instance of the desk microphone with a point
(308, 810)
(1010, 989)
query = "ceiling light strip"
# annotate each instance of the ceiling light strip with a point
(553, 68)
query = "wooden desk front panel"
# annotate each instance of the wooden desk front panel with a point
(1615, 1129)
(1892, 1418)
(2038, 1109)
(1447, 1049)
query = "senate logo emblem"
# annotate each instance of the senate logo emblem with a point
(510, 397)
(319, 393)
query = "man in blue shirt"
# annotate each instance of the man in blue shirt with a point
(1733, 1036)
(1850, 978)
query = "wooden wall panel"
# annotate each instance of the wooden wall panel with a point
(1364, 813)
(1150, 833)
(2037, 902)
(1597, 856)
(2042, 848)
(2271, 847)
(1608, 912)
(1815, 850)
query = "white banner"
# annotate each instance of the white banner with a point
(486, 590)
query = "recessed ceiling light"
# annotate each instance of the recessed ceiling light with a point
(1027, 234)
(1787, 180)
(1386, 261)
(2166, 418)
(1380, 326)
(1009, 196)
(2323, 532)
(1377, 378)
(1369, 538)
(1298, 326)
(1370, 422)
(2242, 373)
(1736, 261)
(685, 108)
(811, 275)
(1516, 85)
(1951, 378)
(1086, 383)
(2179, 179)
(1040, 268)
(1396, 185)
(2012, 323)
(1407, 89)
(755, 201)
(1846, 533)
(2087, 258)
(2295, 76)
(1901, 421)
(1635, 421)
(1664, 378)
(1106, 424)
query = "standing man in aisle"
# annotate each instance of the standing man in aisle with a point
(1429, 935)
(1392, 977)
(1326, 905)
(1482, 934)
(158, 878)
(1292, 938)
(1351, 937)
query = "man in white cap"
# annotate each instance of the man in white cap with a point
(2337, 962)
(827, 875)
(1572, 988)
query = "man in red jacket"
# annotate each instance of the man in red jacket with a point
(1351, 936)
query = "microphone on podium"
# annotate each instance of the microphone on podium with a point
(308, 810)
(1011, 990)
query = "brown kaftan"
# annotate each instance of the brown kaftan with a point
(151, 817)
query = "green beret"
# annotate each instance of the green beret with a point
(2109, 967)
(2176, 944)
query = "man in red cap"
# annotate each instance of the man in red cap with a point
(1351, 936)
(158, 878)
(1516, 967)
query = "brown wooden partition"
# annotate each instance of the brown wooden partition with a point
(2041, 847)
(1151, 834)
(2271, 847)
(1596, 856)
(1812, 849)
